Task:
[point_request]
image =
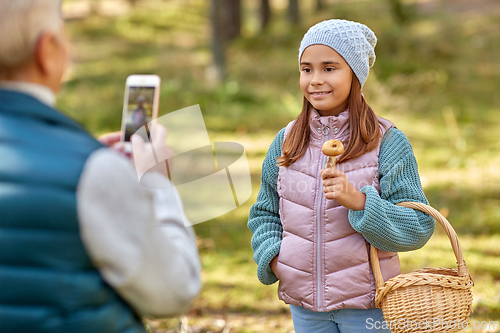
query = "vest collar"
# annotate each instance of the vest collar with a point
(329, 127)
(22, 104)
(40, 92)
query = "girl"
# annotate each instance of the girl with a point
(312, 227)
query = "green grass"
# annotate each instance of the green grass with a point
(436, 78)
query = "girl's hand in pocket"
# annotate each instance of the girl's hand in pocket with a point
(337, 186)
(274, 266)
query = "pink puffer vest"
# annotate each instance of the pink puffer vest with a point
(323, 262)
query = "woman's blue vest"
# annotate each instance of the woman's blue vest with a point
(47, 282)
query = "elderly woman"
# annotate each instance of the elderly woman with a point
(83, 247)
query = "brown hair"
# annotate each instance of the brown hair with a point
(363, 124)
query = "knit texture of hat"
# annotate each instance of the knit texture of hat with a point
(354, 41)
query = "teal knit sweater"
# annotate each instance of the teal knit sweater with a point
(382, 223)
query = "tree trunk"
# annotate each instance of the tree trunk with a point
(233, 17)
(319, 6)
(226, 17)
(399, 11)
(218, 38)
(265, 14)
(293, 11)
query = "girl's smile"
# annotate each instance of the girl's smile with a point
(320, 94)
(325, 79)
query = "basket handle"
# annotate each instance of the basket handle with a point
(452, 235)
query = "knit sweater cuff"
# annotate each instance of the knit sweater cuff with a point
(264, 271)
(389, 227)
(358, 217)
(360, 220)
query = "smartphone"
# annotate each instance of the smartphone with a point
(140, 106)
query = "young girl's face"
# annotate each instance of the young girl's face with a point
(325, 79)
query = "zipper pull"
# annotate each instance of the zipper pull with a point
(325, 130)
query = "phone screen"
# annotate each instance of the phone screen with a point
(139, 109)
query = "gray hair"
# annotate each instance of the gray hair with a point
(21, 24)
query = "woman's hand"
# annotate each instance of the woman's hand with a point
(337, 186)
(109, 139)
(113, 141)
(147, 155)
(274, 266)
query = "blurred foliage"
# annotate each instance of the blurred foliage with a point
(437, 77)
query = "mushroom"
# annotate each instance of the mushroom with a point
(332, 149)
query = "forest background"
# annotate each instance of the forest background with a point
(437, 77)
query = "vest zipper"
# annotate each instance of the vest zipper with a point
(322, 160)
(319, 244)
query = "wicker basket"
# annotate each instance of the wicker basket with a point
(430, 299)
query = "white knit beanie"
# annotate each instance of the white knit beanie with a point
(354, 41)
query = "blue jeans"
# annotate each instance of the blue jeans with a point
(338, 321)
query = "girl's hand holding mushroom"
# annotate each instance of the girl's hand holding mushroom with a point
(336, 186)
(335, 183)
